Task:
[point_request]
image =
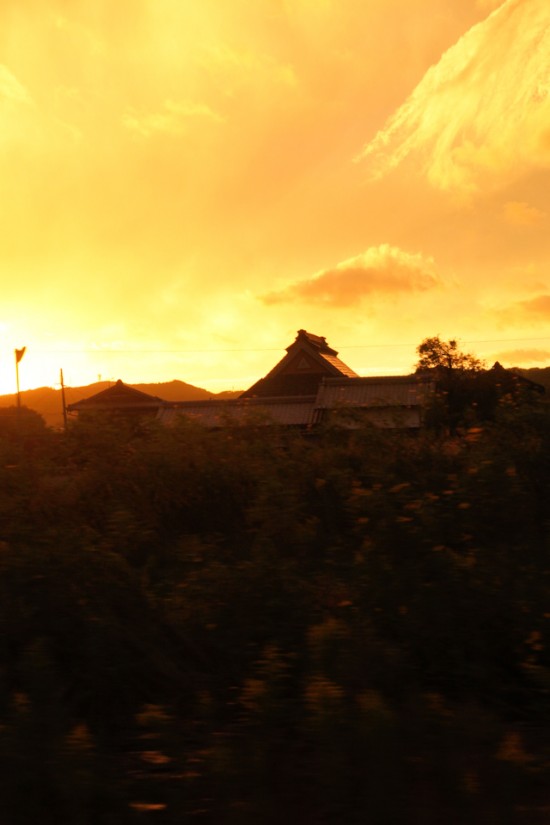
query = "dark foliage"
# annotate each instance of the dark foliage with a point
(466, 392)
(253, 625)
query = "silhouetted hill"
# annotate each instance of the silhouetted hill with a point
(175, 391)
(47, 401)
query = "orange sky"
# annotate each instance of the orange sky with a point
(185, 185)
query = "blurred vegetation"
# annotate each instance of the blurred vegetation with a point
(258, 625)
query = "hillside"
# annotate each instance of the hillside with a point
(47, 401)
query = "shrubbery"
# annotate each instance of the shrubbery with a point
(255, 625)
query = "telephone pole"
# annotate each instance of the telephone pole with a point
(63, 400)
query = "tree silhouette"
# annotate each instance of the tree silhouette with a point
(446, 357)
(457, 375)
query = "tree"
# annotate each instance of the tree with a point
(446, 358)
(457, 376)
(20, 421)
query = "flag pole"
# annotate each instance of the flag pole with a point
(19, 353)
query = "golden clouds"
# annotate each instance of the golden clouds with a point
(480, 117)
(382, 270)
(173, 118)
(11, 90)
(237, 69)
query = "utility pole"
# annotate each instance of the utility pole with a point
(63, 400)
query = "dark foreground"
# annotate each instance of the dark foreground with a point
(252, 626)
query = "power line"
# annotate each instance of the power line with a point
(116, 351)
(459, 340)
(385, 345)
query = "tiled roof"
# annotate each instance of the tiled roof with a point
(384, 391)
(293, 411)
(317, 341)
(118, 396)
(294, 375)
(339, 365)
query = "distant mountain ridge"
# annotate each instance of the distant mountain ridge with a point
(47, 400)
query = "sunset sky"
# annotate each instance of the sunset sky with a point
(186, 183)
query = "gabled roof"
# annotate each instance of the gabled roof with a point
(309, 359)
(118, 397)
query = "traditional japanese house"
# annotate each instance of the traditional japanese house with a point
(311, 385)
(120, 398)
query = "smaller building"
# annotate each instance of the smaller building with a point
(120, 398)
(392, 401)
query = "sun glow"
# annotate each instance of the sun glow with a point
(180, 196)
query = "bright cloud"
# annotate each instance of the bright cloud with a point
(20, 124)
(10, 88)
(16, 109)
(382, 270)
(235, 68)
(481, 116)
(173, 118)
